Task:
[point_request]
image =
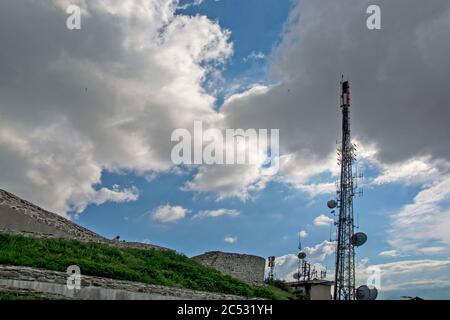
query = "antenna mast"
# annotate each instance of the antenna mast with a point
(347, 240)
(271, 264)
(344, 288)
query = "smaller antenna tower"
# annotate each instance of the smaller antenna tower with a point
(306, 271)
(271, 265)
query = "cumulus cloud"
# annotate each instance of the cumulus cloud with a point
(422, 226)
(287, 265)
(230, 239)
(228, 181)
(216, 213)
(168, 213)
(320, 251)
(302, 234)
(417, 170)
(411, 277)
(106, 97)
(323, 221)
(116, 194)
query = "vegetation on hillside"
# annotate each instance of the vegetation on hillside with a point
(165, 268)
(283, 288)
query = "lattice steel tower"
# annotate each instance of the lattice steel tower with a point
(344, 288)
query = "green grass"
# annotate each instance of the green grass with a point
(147, 266)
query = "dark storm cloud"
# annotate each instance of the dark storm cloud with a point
(400, 78)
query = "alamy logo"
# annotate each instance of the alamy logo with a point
(374, 278)
(73, 22)
(374, 20)
(227, 147)
(74, 277)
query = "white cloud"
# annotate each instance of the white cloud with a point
(190, 4)
(92, 108)
(416, 170)
(302, 234)
(389, 253)
(168, 213)
(323, 221)
(411, 276)
(423, 226)
(255, 56)
(116, 194)
(241, 181)
(287, 265)
(228, 181)
(216, 213)
(230, 239)
(320, 251)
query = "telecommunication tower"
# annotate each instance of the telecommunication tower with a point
(271, 265)
(347, 240)
(305, 271)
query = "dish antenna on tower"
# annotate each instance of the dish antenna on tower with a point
(366, 293)
(358, 239)
(332, 204)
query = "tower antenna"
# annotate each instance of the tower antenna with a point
(271, 265)
(347, 240)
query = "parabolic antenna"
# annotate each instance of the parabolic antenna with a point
(358, 239)
(366, 293)
(297, 275)
(332, 204)
(301, 255)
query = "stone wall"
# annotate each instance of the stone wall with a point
(18, 216)
(245, 267)
(52, 284)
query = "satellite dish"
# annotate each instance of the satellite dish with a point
(301, 255)
(297, 276)
(332, 204)
(366, 293)
(358, 239)
(373, 293)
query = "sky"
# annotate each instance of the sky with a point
(86, 118)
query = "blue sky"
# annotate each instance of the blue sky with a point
(91, 138)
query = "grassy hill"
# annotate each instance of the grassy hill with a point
(147, 266)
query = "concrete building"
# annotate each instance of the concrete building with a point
(314, 289)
